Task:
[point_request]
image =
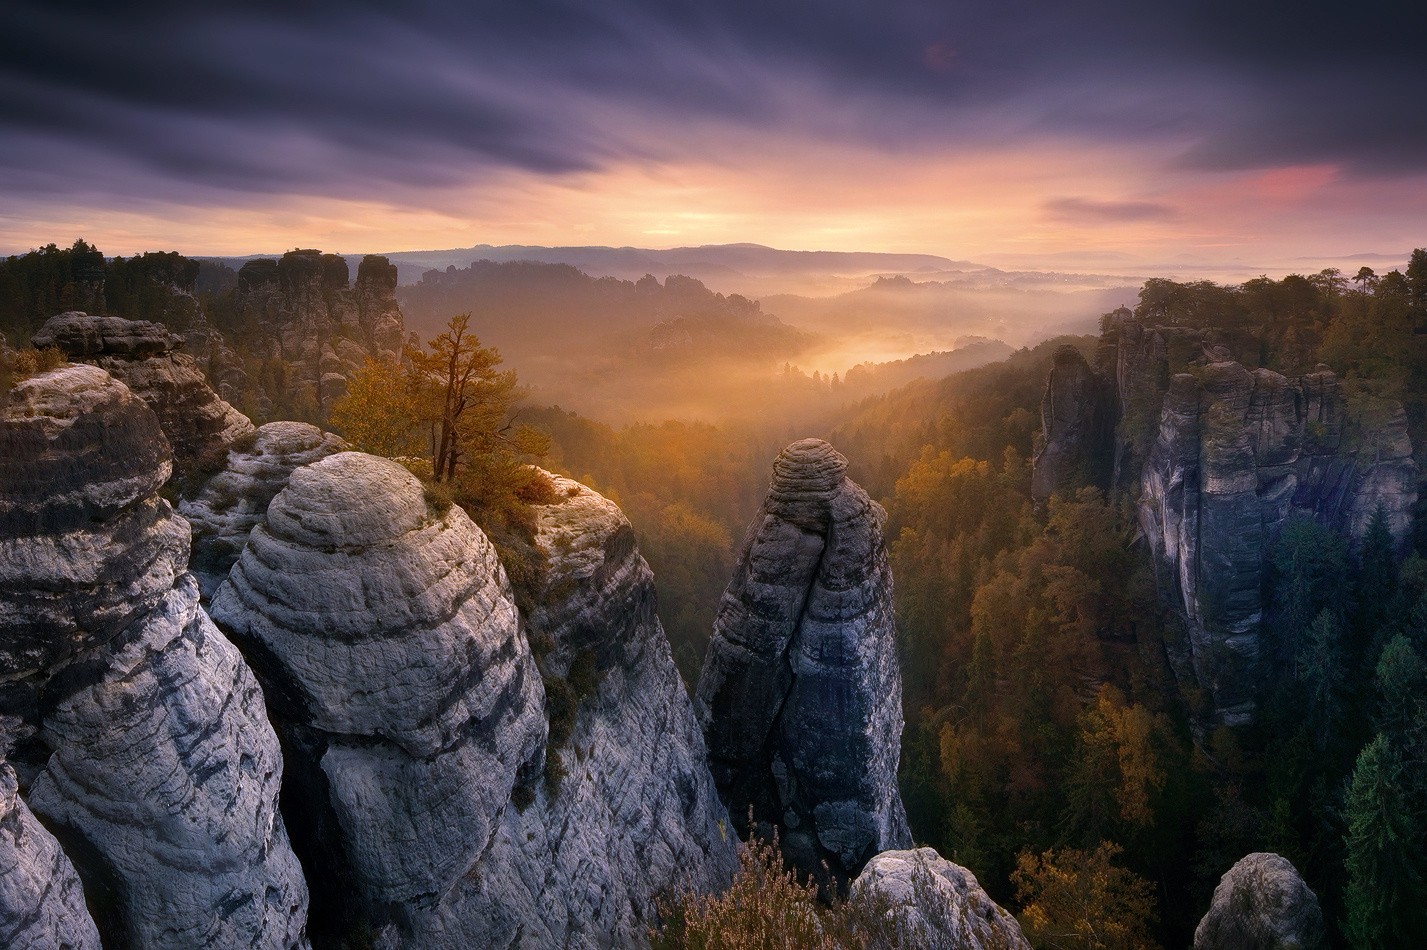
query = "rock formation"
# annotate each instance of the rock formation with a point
(1237, 454)
(138, 732)
(415, 718)
(322, 328)
(1262, 904)
(636, 813)
(41, 903)
(1219, 457)
(800, 694)
(397, 670)
(1078, 427)
(937, 903)
(235, 499)
(200, 426)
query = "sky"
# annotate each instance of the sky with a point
(1117, 136)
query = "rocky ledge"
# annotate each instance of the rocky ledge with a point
(199, 425)
(800, 694)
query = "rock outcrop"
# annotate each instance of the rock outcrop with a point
(1237, 454)
(937, 903)
(417, 723)
(319, 325)
(1219, 457)
(800, 694)
(138, 732)
(397, 669)
(234, 500)
(199, 425)
(41, 902)
(1261, 903)
(636, 813)
(1078, 426)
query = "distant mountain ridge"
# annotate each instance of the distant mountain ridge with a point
(754, 261)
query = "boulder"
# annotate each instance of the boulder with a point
(800, 694)
(937, 903)
(1262, 903)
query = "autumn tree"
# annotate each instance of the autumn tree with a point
(380, 414)
(1082, 899)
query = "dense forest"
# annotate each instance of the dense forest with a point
(1047, 737)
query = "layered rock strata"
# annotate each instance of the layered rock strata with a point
(41, 901)
(398, 671)
(142, 735)
(1237, 454)
(800, 694)
(1078, 428)
(1261, 903)
(937, 903)
(199, 425)
(233, 501)
(636, 813)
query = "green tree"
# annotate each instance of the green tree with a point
(1384, 854)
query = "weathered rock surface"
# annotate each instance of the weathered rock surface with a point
(142, 734)
(1220, 457)
(937, 903)
(165, 770)
(1237, 454)
(1262, 903)
(321, 327)
(199, 425)
(86, 546)
(1078, 426)
(637, 813)
(234, 500)
(41, 902)
(800, 694)
(397, 669)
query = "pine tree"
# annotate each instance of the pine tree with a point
(1384, 894)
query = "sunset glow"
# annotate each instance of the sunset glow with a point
(1058, 140)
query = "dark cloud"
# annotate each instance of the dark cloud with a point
(343, 98)
(1091, 211)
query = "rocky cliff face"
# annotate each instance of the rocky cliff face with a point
(199, 426)
(41, 901)
(636, 813)
(233, 501)
(318, 324)
(416, 724)
(1078, 427)
(397, 670)
(938, 904)
(1219, 457)
(800, 695)
(1237, 454)
(1262, 904)
(138, 733)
